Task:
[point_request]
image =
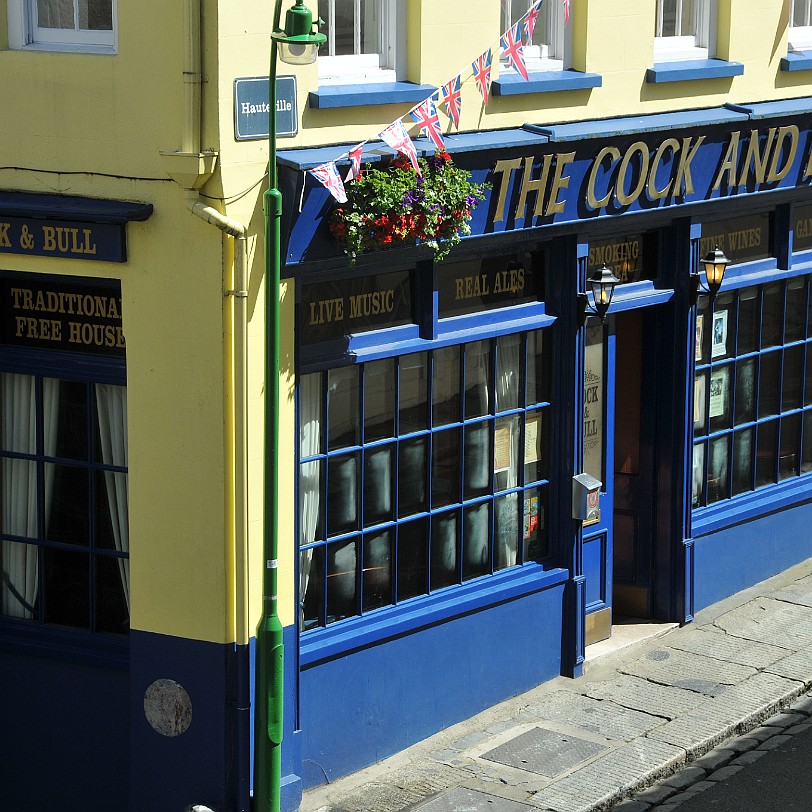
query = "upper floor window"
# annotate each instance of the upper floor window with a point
(684, 29)
(362, 40)
(800, 25)
(546, 48)
(63, 24)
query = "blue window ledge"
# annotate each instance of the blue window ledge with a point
(691, 70)
(797, 60)
(358, 95)
(544, 82)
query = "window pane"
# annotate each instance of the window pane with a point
(806, 461)
(413, 392)
(673, 18)
(379, 400)
(765, 456)
(111, 606)
(378, 505)
(477, 460)
(745, 391)
(720, 400)
(593, 403)
(769, 384)
(535, 465)
(698, 488)
(795, 329)
(717, 470)
(310, 485)
(477, 378)
(537, 374)
(703, 331)
(476, 558)
(369, 26)
(342, 494)
(444, 569)
(55, 14)
(71, 433)
(701, 402)
(723, 338)
(742, 461)
(506, 530)
(793, 377)
(445, 398)
(772, 310)
(342, 22)
(110, 499)
(342, 578)
(506, 452)
(534, 527)
(412, 559)
(508, 372)
(412, 476)
(808, 395)
(343, 407)
(445, 468)
(311, 574)
(790, 445)
(68, 519)
(67, 588)
(748, 320)
(96, 15)
(377, 574)
(20, 585)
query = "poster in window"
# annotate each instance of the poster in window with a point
(699, 402)
(719, 338)
(532, 438)
(700, 327)
(719, 392)
(501, 449)
(698, 475)
(533, 518)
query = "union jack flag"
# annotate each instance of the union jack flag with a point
(513, 50)
(355, 163)
(482, 74)
(530, 20)
(566, 11)
(425, 115)
(327, 175)
(453, 100)
(395, 136)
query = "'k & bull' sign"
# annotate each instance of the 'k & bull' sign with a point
(45, 314)
(59, 238)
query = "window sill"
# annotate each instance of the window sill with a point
(691, 70)
(545, 82)
(752, 505)
(362, 95)
(797, 60)
(394, 621)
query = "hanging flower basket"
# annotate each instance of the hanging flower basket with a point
(395, 206)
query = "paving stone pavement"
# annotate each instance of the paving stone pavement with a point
(643, 730)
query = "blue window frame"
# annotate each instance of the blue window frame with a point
(752, 392)
(422, 471)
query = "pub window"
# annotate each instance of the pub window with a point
(545, 51)
(800, 25)
(752, 393)
(746, 238)
(684, 29)
(632, 258)
(65, 538)
(422, 471)
(63, 24)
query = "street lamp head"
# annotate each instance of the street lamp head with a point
(715, 263)
(603, 283)
(299, 42)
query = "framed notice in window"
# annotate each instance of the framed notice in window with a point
(719, 337)
(719, 392)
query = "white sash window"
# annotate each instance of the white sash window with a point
(684, 29)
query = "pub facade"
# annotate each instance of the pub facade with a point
(447, 410)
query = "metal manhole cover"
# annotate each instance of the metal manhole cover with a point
(544, 751)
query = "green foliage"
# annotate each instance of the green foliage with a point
(395, 206)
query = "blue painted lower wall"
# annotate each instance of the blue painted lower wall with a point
(367, 705)
(64, 740)
(729, 560)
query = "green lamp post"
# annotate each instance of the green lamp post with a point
(296, 44)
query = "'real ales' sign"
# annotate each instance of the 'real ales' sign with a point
(55, 315)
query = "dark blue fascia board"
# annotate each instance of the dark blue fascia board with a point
(797, 60)
(325, 644)
(304, 159)
(545, 82)
(65, 207)
(784, 107)
(691, 70)
(331, 96)
(618, 127)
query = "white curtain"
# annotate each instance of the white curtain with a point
(310, 433)
(19, 434)
(111, 405)
(508, 367)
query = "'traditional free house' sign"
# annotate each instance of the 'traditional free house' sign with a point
(252, 108)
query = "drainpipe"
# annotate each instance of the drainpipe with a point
(191, 168)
